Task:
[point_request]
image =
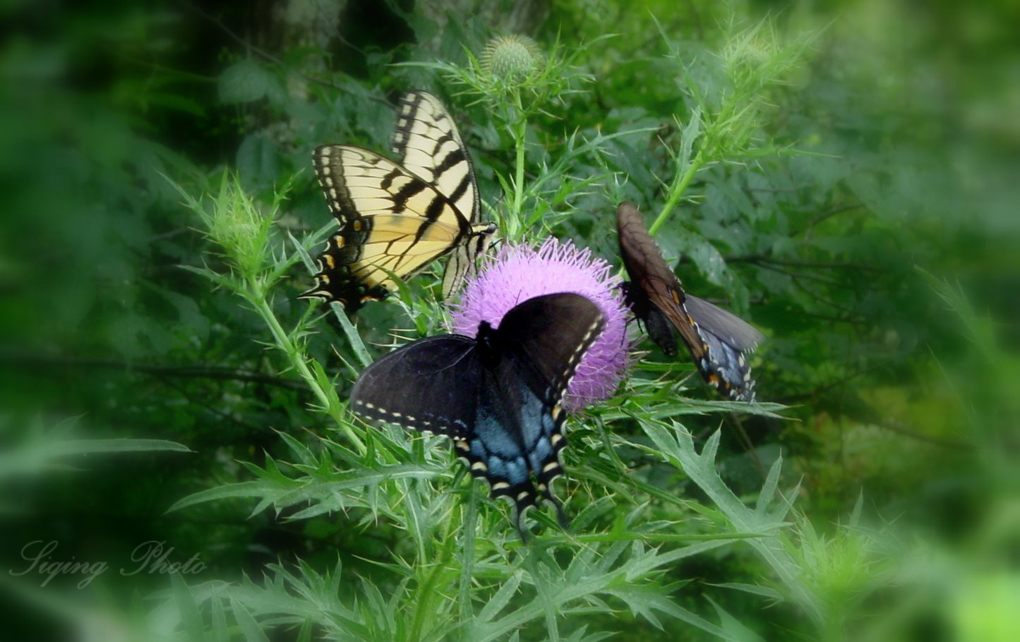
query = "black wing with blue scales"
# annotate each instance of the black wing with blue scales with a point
(498, 396)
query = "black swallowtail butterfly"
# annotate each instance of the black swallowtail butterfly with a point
(716, 339)
(497, 395)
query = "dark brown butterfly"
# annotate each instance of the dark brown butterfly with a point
(716, 339)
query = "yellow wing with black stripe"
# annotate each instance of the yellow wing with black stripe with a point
(398, 218)
(428, 145)
(391, 220)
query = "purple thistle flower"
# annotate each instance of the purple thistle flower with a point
(519, 273)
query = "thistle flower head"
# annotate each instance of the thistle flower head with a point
(520, 273)
(511, 58)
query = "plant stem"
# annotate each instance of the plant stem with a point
(329, 400)
(676, 191)
(520, 131)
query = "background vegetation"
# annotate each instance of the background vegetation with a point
(842, 173)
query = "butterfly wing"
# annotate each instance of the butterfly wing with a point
(428, 144)
(654, 286)
(730, 328)
(537, 348)
(551, 332)
(429, 385)
(445, 385)
(728, 338)
(716, 339)
(390, 220)
(498, 396)
(463, 260)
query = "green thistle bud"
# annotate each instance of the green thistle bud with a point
(512, 58)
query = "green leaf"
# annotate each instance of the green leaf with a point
(187, 607)
(249, 626)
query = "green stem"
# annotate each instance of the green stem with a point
(427, 593)
(328, 400)
(520, 131)
(676, 192)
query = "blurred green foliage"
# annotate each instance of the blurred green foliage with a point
(858, 202)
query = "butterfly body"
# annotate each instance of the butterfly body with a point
(396, 218)
(656, 323)
(497, 395)
(716, 339)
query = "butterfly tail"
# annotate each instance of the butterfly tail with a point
(525, 535)
(523, 496)
(561, 515)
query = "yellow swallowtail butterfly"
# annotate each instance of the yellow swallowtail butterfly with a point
(398, 218)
